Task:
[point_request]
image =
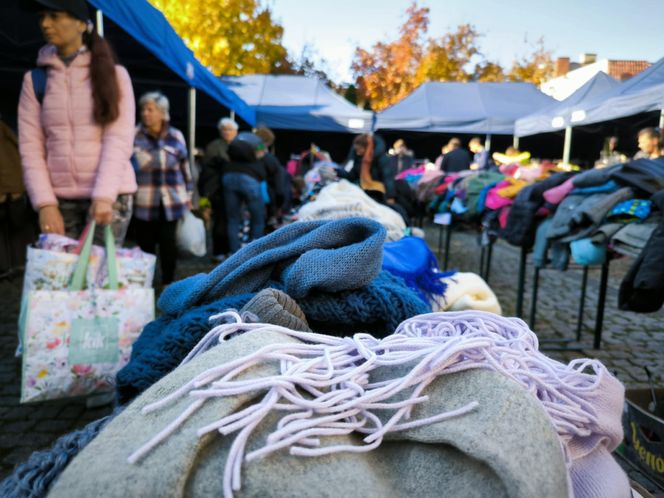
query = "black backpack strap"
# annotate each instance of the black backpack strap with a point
(39, 76)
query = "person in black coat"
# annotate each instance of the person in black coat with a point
(457, 159)
(381, 168)
(278, 179)
(209, 184)
(642, 289)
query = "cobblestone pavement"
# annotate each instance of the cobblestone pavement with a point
(630, 341)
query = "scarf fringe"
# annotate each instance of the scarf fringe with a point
(324, 386)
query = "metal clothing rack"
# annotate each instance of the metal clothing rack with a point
(447, 230)
(599, 314)
(486, 255)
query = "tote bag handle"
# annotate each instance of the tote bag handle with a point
(78, 278)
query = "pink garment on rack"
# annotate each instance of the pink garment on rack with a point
(291, 167)
(555, 195)
(502, 216)
(410, 171)
(495, 201)
(509, 169)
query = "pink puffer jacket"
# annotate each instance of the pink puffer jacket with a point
(65, 153)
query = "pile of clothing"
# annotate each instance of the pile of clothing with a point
(562, 213)
(335, 277)
(458, 401)
(344, 199)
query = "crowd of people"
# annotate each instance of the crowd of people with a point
(83, 158)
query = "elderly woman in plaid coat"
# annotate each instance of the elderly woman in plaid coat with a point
(164, 181)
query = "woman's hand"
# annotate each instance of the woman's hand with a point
(50, 220)
(102, 212)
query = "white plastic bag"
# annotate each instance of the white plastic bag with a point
(190, 235)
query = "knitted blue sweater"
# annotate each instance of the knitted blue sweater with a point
(325, 255)
(299, 259)
(377, 308)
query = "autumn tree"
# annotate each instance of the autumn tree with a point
(448, 57)
(534, 68)
(489, 72)
(388, 72)
(391, 70)
(231, 37)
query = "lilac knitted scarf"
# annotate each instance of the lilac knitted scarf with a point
(325, 387)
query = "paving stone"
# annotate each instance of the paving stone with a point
(17, 427)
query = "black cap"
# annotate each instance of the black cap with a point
(75, 8)
(243, 148)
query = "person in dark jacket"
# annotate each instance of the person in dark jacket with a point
(650, 144)
(381, 170)
(457, 159)
(242, 178)
(401, 156)
(642, 289)
(278, 180)
(481, 158)
(18, 226)
(209, 184)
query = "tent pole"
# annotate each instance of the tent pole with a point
(568, 144)
(100, 23)
(661, 120)
(515, 142)
(233, 115)
(191, 125)
(487, 143)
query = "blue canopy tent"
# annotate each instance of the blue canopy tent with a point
(560, 114)
(145, 44)
(150, 28)
(642, 93)
(287, 102)
(555, 116)
(486, 108)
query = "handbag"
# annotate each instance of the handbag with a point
(75, 340)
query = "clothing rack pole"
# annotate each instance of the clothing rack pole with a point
(440, 239)
(582, 303)
(567, 147)
(488, 262)
(482, 260)
(100, 23)
(191, 125)
(448, 236)
(522, 282)
(533, 303)
(599, 319)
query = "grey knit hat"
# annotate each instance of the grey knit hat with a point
(277, 308)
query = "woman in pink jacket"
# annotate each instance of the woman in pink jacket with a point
(76, 143)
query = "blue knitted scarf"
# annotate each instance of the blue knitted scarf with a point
(327, 255)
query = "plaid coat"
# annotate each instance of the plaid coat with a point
(162, 173)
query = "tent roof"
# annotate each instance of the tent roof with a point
(558, 115)
(150, 28)
(642, 93)
(292, 102)
(489, 108)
